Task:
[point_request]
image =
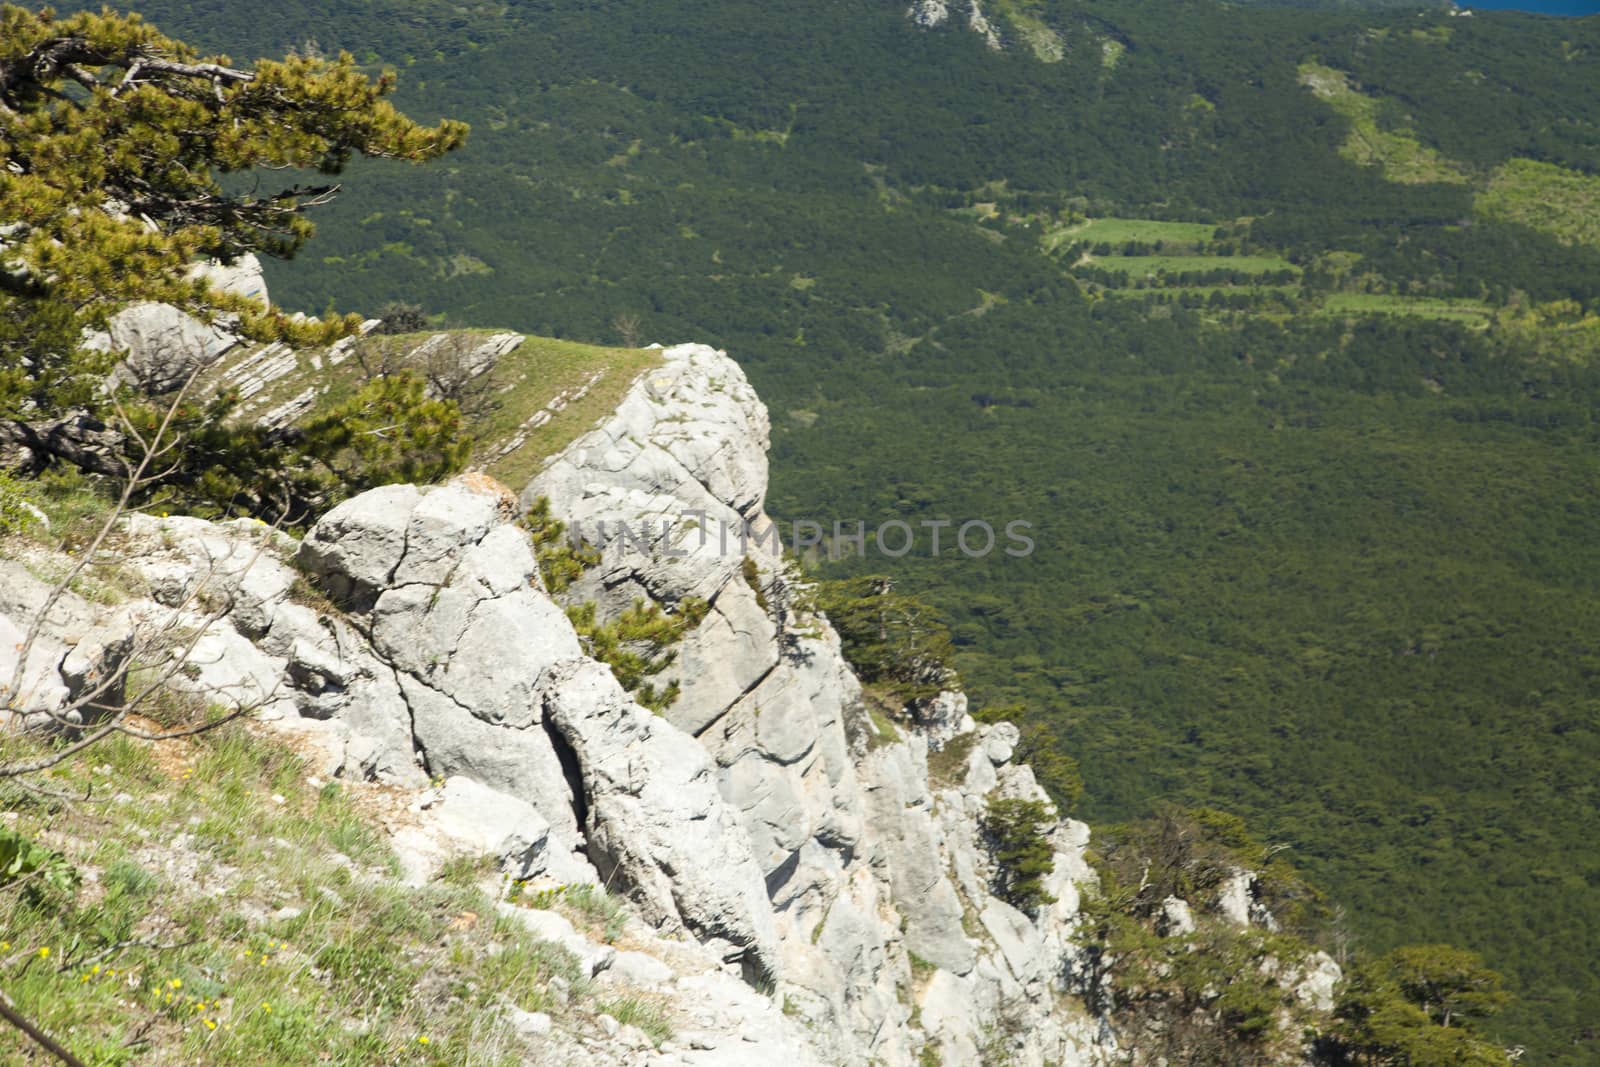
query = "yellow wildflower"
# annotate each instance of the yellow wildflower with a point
(44, 953)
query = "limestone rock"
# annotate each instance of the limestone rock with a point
(243, 277)
(164, 346)
(355, 548)
(1177, 918)
(34, 685)
(549, 926)
(929, 13)
(466, 817)
(1234, 898)
(655, 816)
(899, 807)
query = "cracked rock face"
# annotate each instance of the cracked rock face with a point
(867, 868)
(450, 662)
(655, 816)
(498, 690)
(763, 812)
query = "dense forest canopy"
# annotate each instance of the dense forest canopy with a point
(1278, 323)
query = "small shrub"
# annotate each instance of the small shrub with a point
(14, 505)
(752, 577)
(1023, 858)
(561, 561)
(639, 643)
(401, 318)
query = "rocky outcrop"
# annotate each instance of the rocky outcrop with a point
(813, 884)
(164, 346)
(930, 14)
(656, 819)
(873, 874)
(61, 657)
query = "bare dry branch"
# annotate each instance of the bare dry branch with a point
(101, 709)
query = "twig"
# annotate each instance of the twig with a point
(15, 1018)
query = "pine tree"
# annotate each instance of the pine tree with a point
(1418, 1006)
(115, 143)
(1017, 831)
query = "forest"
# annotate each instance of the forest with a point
(1308, 444)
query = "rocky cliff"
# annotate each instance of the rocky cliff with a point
(808, 883)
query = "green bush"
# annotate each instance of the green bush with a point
(561, 562)
(39, 869)
(390, 431)
(14, 513)
(1419, 1006)
(639, 643)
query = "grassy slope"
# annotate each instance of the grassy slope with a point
(574, 384)
(1561, 202)
(1398, 151)
(541, 372)
(235, 912)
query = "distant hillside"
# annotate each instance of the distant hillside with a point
(1278, 324)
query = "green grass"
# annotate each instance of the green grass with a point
(1138, 266)
(590, 907)
(230, 913)
(1563, 203)
(644, 1012)
(1203, 290)
(1117, 231)
(531, 377)
(538, 373)
(1460, 309)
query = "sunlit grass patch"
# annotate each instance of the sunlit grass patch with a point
(1119, 231)
(223, 910)
(1563, 203)
(575, 384)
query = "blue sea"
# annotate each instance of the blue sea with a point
(1538, 7)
